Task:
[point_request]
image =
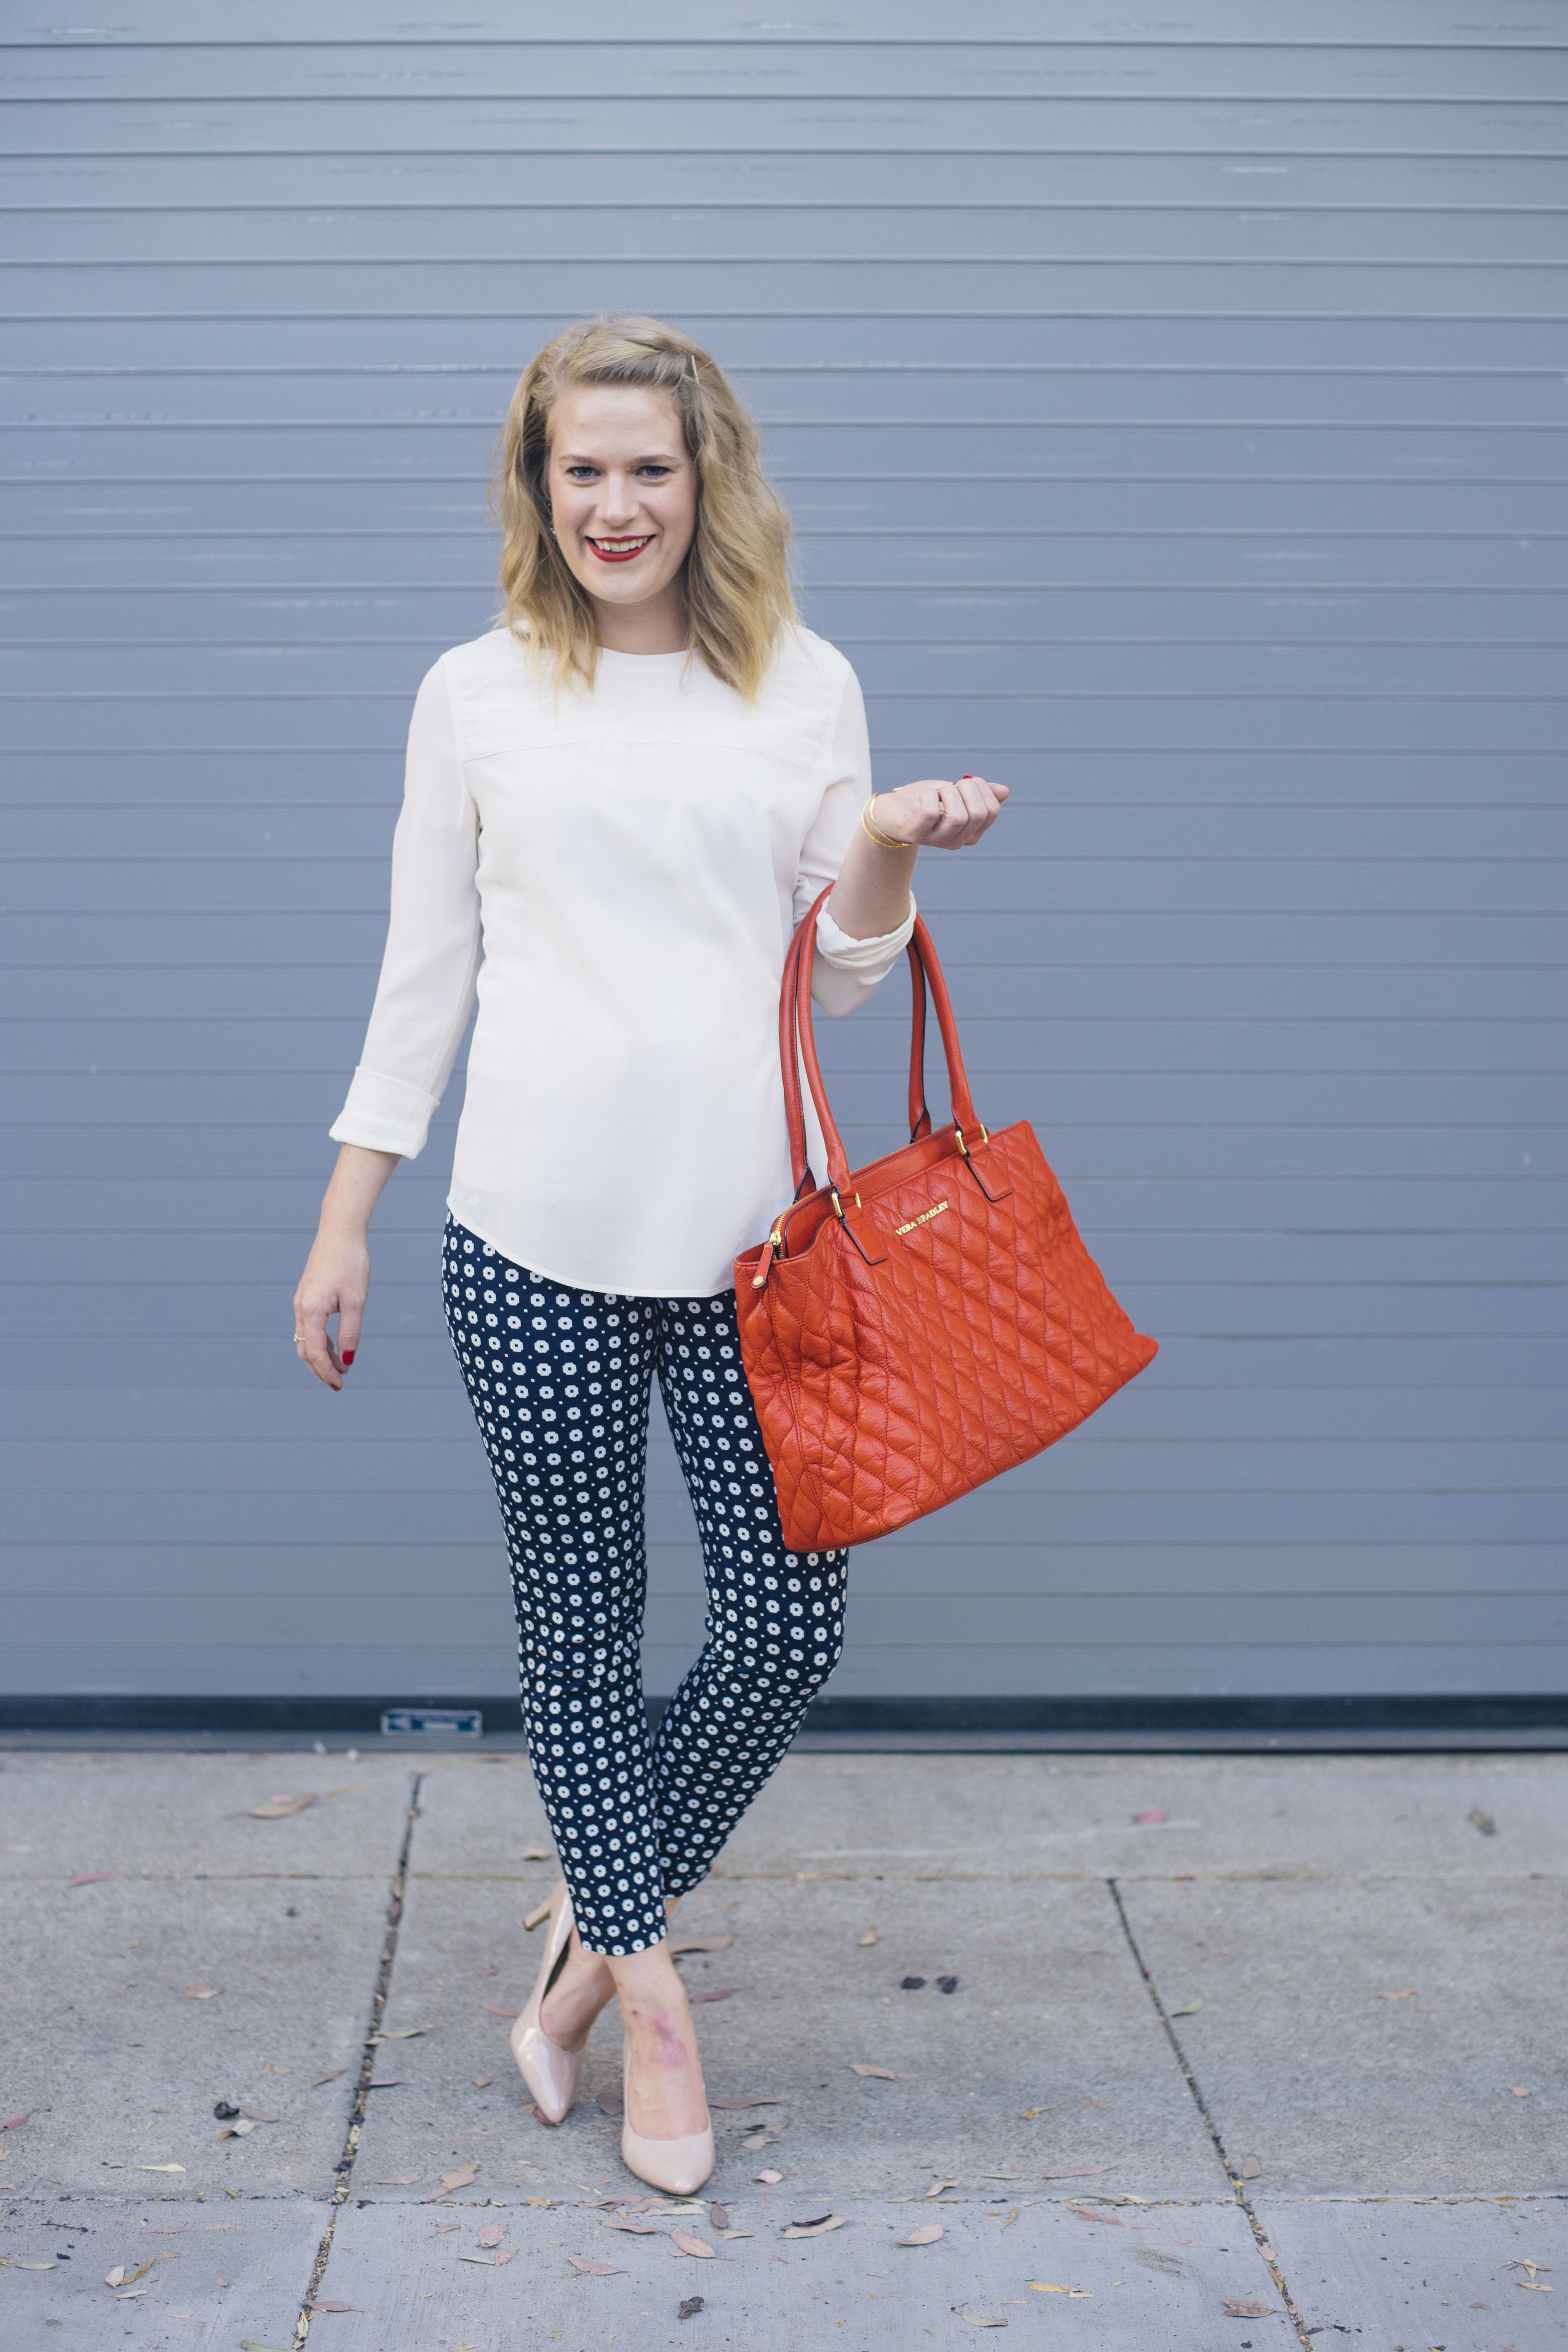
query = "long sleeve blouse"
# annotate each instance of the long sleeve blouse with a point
(615, 877)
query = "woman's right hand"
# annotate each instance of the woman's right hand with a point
(336, 1280)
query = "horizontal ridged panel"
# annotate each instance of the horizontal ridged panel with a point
(1173, 426)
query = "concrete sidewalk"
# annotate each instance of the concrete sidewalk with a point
(1145, 2037)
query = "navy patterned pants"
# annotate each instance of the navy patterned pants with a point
(559, 1379)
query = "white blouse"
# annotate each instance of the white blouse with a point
(616, 877)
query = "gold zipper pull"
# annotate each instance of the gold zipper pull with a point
(775, 1244)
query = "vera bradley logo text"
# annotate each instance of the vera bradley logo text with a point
(923, 1220)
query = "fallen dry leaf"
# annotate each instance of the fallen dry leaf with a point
(926, 2235)
(1079, 2172)
(1483, 1822)
(702, 1944)
(451, 2180)
(483, 2082)
(611, 2100)
(1518, 2091)
(1251, 2165)
(1239, 2307)
(771, 2177)
(536, 1917)
(735, 2233)
(871, 1937)
(1152, 1819)
(594, 2270)
(978, 2319)
(116, 2277)
(1408, 1994)
(694, 1998)
(768, 2102)
(278, 1809)
(718, 2217)
(634, 2229)
(153, 2167)
(200, 1992)
(401, 2032)
(317, 2080)
(402, 2180)
(691, 2245)
(93, 1877)
(494, 2010)
(311, 2305)
(241, 2130)
(937, 2188)
(491, 2234)
(1188, 2008)
(13, 2263)
(1084, 2213)
(816, 2228)
(882, 2073)
(1078, 2294)
(13, 2123)
(691, 2307)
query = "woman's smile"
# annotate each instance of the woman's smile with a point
(618, 551)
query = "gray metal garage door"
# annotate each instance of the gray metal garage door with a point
(1172, 417)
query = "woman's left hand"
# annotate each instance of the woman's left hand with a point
(935, 815)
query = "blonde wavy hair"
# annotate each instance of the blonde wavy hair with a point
(737, 581)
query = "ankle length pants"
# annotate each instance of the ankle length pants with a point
(559, 1379)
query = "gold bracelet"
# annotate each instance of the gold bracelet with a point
(882, 840)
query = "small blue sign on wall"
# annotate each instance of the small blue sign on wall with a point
(443, 1722)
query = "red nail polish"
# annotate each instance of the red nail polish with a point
(348, 1355)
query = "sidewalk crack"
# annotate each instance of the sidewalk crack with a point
(345, 2164)
(1260, 2234)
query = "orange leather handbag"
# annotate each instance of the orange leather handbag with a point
(921, 1325)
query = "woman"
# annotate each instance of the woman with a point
(617, 807)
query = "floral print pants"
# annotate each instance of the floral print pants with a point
(560, 1379)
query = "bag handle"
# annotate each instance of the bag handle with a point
(795, 1027)
(920, 1117)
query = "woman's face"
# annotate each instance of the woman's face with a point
(623, 493)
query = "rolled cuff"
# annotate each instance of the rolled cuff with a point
(385, 1114)
(846, 969)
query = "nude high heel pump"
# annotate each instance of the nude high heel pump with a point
(679, 2166)
(551, 2072)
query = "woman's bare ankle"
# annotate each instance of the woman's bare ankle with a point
(583, 1987)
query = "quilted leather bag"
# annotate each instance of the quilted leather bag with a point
(918, 1326)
